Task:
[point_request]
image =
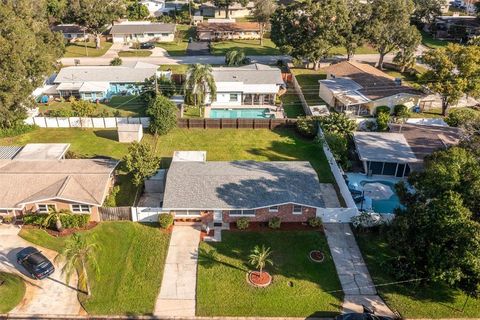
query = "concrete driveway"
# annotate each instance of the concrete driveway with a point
(48, 296)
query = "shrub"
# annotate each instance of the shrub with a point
(382, 121)
(314, 222)
(338, 144)
(242, 223)
(274, 223)
(16, 130)
(7, 219)
(337, 123)
(382, 109)
(462, 117)
(61, 113)
(165, 220)
(400, 110)
(116, 61)
(68, 221)
(307, 127)
(111, 200)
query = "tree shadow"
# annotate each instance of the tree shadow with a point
(107, 134)
(209, 258)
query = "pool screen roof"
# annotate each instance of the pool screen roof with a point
(383, 147)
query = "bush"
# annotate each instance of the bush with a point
(400, 110)
(382, 109)
(461, 117)
(337, 123)
(165, 220)
(338, 144)
(382, 121)
(116, 61)
(7, 219)
(307, 127)
(16, 130)
(314, 222)
(242, 223)
(274, 223)
(68, 221)
(61, 113)
(111, 200)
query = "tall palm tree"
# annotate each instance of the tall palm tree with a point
(260, 257)
(54, 215)
(77, 253)
(234, 57)
(200, 82)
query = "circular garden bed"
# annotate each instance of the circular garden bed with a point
(259, 280)
(316, 256)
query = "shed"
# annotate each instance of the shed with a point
(129, 132)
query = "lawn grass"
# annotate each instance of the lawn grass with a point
(365, 49)
(191, 112)
(292, 104)
(77, 49)
(432, 43)
(308, 80)
(179, 46)
(12, 290)
(175, 68)
(131, 260)
(222, 289)
(123, 106)
(434, 301)
(135, 53)
(250, 47)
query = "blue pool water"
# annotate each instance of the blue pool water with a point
(240, 113)
(357, 181)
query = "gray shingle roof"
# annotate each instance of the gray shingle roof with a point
(250, 74)
(383, 147)
(127, 28)
(241, 185)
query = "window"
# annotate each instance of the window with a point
(45, 208)
(80, 208)
(87, 95)
(297, 209)
(233, 97)
(165, 34)
(273, 209)
(187, 213)
(99, 94)
(151, 34)
(247, 212)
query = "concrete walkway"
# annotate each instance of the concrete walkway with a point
(352, 271)
(177, 293)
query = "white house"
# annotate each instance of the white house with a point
(235, 10)
(142, 31)
(155, 7)
(247, 88)
(71, 32)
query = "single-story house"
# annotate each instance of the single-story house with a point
(155, 7)
(228, 30)
(359, 88)
(223, 192)
(457, 27)
(235, 10)
(142, 31)
(103, 82)
(37, 186)
(250, 87)
(71, 32)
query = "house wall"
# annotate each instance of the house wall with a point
(242, 13)
(403, 98)
(143, 37)
(60, 204)
(285, 213)
(223, 99)
(326, 95)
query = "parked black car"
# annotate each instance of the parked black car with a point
(367, 314)
(147, 45)
(35, 263)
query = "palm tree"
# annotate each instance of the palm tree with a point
(259, 257)
(234, 57)
(77, 253)
(200, 81)
(54, 215)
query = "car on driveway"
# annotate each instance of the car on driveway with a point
(147, 45)
(35, 263)
(367, 314)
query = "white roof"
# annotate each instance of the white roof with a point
(43, 151)
(69, 86)
(196, 156)
(383, 147)
(345, 90)
(94, 86)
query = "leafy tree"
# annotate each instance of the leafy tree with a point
(388, 25)
(262, 12)
(163, 86)
(452, 72)
(95, 15)
(56, 10)
(354, 35)
(137, 11)
(163, 115)
(55, 216)
(116, 61)
(463, 117)
(405, 56)
(200, 82)
(338, 144)
(260, 257)
(310, 29)
(141, 161)
(28, 54)
(337, 123)
(427, 10)
(77, 254)
(82, 108)
(234, 57)
(382, 121)
(227, 3)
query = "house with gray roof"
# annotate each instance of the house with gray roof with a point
(251, 87)
(142, 31)
(225, 191)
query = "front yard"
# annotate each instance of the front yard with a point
(77, 49)
(411, 301)
(179, 46)
(135, 53)
(12, 290)
(300, 288)
(250, 47)
(131, 260)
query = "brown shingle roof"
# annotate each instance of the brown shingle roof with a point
(227, 26)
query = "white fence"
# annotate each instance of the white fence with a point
(145, 214)
(77, 122)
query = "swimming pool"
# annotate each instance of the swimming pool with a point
(358, 181)
(240, 113)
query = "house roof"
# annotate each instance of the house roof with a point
(142, 27)
(227, 26)
(78, 180)
(68, 28)
(120, 74)
(383, 147)
(9, 152)
(375, 83)
(240, 185)
(43, 151)
(345, 90)
(233, 6)
(250, 74)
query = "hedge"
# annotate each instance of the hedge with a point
(68, 221)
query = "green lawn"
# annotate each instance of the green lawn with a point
(179, 46)
(365, 49)
(135, 53)
(12, 290)
(124, 106)
(222, 289)
(176, 68)
(308, 80)
(292, 104)
(434, 301)
(131, 259)
(250, 47)
(430, 42)
(77, 49)
(191, 112)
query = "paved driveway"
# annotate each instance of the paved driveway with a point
(48, 296)
(198, 48)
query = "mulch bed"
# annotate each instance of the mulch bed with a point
(65, 232)
(285, 226)
(316, 256)
(257, 280)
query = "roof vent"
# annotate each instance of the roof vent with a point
(398, 81)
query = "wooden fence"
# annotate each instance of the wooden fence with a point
(206, 123)
(115, 213)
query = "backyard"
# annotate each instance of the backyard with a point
(77, 49)
(430, 42)
(412, 301)
(300, 288)
(131, 259)
(308, 81)
(291, 103)
(12, 290)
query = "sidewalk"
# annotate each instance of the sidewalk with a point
(177, 293)
(352, 271)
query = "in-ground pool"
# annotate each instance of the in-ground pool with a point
(240, 113)
(357, 181)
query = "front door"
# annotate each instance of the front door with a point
(217, 217)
